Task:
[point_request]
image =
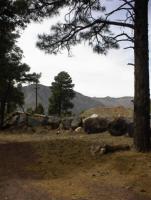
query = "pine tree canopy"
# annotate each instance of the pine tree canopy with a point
(14, 15)
(62, 94)
(88, 21)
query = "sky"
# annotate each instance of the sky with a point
(92, 74)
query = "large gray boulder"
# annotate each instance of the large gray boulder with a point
(17, 119)
(35, 120)
(95, 124)
(118, 126)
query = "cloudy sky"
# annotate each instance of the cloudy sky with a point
(92, 74)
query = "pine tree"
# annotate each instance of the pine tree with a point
(12, 71)
(13, 74)
(62, 94)
(88, 20)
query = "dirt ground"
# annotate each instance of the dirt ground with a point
(47, 166)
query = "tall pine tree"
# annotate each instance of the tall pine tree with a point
(62, 94)
(13, 72)
(88, 20)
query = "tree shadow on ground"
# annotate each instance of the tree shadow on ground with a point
(45, 159)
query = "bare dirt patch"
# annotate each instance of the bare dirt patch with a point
(61, 167)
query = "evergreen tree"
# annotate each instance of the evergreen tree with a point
(88, 20)
(62, 94)
(13, 74)
(36, 90)
(15, 99)
(14, 15)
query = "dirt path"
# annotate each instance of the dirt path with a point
(24, 168)
(18, 190)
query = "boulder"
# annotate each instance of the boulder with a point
(76, 122)
(23, 118)
(45, 121)
(95, 124)
(94, 115)
(34, 121)
(17, 119)
(118, 127)
(79, 130)
(37, 120)
(14, 120)
(98, 149)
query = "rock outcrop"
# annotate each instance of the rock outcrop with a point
(118, 127)
(95, 124)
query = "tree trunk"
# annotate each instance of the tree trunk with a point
(36, 94)
(142, 96)
(2, 114)
(3, 105)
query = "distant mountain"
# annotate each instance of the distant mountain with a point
(44, 93)
(81, 102)
(114, 102)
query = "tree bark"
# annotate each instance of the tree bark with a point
(2, 114)
(3, 105)
(142, 94)
(36, 95)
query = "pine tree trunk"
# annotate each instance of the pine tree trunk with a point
(2, 114)
(142, 96)
(3, 105)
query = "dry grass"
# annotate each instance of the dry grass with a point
(41, 134)
(62, 166)
(109, 112)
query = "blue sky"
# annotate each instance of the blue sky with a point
(92, 74)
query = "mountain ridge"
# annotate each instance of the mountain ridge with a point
(81, 102)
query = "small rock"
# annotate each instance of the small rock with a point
(98, 149)
(142, 190)
(79, 129)
(93, 175)
(102, 151)
(128, 187)
(58, 132)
